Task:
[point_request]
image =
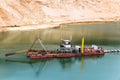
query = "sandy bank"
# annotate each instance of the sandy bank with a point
(42, 14)
(48, 25)
(28, 27)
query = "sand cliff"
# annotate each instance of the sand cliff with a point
(37, 12)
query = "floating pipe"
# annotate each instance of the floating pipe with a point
(110, 51)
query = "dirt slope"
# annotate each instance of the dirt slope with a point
(27, 12)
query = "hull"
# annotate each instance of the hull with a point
(38, 55)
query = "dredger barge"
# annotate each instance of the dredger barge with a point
(39, 54)
(66, 50)
(42, 54)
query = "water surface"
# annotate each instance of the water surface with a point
(18, 67)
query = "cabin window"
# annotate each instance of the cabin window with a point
(67, 43)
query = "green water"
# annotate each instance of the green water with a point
(18, 67)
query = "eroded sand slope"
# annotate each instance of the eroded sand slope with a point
(27, 12)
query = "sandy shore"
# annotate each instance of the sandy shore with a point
(28, 27)
(48, 25)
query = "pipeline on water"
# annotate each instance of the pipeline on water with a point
(111, 51)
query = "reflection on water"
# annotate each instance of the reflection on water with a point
(38, 66)
(84, 68)
(108, 33)
(80, 68)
